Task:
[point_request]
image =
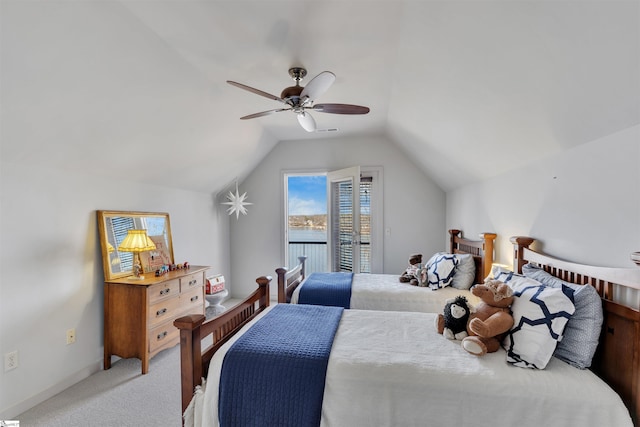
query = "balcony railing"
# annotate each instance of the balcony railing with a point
(316, 253)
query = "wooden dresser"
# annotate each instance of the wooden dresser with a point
(139, 314)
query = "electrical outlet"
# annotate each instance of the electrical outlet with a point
(71, 336)
(10, 360)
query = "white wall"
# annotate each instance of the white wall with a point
(51, 276)
(582, 205)
(413, 205)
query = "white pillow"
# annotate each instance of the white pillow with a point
(440, 270)
(540, 314)
(465, 273)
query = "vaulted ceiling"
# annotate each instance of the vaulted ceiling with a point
(98, 87)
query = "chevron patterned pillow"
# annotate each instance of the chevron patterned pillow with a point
(540, 316)
(582, 334)
(440, 270)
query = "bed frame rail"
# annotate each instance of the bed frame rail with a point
(617, 359)
(194, 363)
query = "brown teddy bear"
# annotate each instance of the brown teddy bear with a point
(492, 318)
(410, 275)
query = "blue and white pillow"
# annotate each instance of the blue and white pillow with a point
(582, 333)
(502, 274)
(440, 270)
(540, 315)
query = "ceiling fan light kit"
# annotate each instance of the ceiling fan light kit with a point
(300, 99)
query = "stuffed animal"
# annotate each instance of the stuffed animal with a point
(453, 323)
(492, 318)
(410, 275)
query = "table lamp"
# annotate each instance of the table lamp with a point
(137, 241)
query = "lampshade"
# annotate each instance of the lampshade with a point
(137, 241)
(110, 248)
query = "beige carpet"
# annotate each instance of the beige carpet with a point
(120, 396)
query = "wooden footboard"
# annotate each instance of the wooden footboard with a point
(288, 280)
(617, 359)
(194, 363)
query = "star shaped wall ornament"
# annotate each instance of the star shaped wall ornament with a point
(237, 203)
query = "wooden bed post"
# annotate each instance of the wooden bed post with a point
(190, 349)
(520, 243)
(452, 239)
(302, 259)
(282, 284)
(263, 285)
(488, 239)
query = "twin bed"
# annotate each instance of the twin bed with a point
(392, 368)
(384, 291)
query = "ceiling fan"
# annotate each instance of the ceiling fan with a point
(300, 99)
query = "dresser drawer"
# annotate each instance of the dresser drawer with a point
(163, 290)
(191, 281)
(139, 315)
(192, 302)
(164, 310)
(164, 335)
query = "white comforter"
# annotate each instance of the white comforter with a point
(385, 292)
(393, 369)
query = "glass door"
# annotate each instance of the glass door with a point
(343, 219)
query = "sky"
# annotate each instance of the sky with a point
(307, 195)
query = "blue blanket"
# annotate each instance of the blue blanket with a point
(274, 374)
(330, 289)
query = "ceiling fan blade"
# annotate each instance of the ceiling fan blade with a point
(263, 113)
(317, 86)
(256, 91)
(307, 122)
(341, 108)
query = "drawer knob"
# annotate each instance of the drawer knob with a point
(162, 335)
(194, 298)
(165, 291)
(161, 312)
(193, 282)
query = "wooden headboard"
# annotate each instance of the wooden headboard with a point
(617, 359)
(481, 250)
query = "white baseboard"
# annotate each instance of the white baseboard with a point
(12, 412)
